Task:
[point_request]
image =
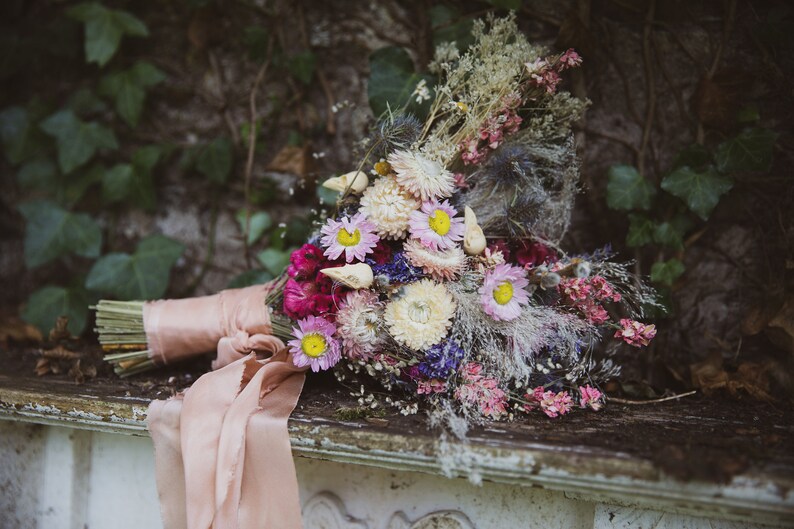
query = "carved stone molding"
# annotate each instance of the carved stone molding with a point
(326, 511)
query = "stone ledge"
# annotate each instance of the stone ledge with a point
(580, 471)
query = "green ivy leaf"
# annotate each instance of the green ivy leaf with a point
(85, 103)
(72, 187)
(392, 81)
(38, 174)
(666, 272)
(250, 277)
(116, 183)
(258, 224)
(142, 275)
(21, 139)
(640, 231)
(215, 160)
(445, 29)
(700, 191)
(274, 261)
(751, 150)
(627, 189)
(748, 114)
(47, 304)
(128, 88)
(672, 233)
(104, 28)
(77, 141)
(302, 66)
(51, 232)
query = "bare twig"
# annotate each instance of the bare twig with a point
(249, 162)
(330, 122)
(652, 401)
(650, 89)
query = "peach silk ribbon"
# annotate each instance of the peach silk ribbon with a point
(222, 450)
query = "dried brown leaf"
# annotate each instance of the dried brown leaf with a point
(291, 159)
(16, 330)
(61, 330)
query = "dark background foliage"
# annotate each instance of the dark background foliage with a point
(173, 148)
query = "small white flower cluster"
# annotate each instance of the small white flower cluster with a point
(421, 93)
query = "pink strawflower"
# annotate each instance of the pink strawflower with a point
(556, 404)
(314, 344)
(635, 333)
(428, 387)
(590, 398)
(504, 291)
(570, 59)
(471, 371)
(436, 226)
(593, 312)
(305, 262)
(354, 236)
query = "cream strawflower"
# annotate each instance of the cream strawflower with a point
(441, 265)
(388, 207)
(422, 316)
(420, 176)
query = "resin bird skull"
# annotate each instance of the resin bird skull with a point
(355, 276)
(474, 239)
(357, 181)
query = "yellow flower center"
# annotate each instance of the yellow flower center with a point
(463, 107)
(383, 168)
(439, 222)
(503, 293)
(345, 238)
(313, 345)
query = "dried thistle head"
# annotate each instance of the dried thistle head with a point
(394, 131)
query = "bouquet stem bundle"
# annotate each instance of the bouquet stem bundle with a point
(119, 325)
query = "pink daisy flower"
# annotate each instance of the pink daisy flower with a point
(436, 226)
(314, 344)
(504, 291)
(354, 236)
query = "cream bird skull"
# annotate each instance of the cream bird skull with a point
(474, 239)
(357, 181)
(355, 276)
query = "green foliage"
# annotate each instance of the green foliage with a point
(392, 82)
(627, 189)
(302, 66)
(449, 26)
(751, 150)
(700, 191)
(255, 39)
(641, 230)
(274, 260)
(38, 174)
(215, 160)
(47, 304)
(52, 232)
(132, 182)
(77, 141)
(128, 89)
(258, 224)
(21, 138)
(104, 28)
(666, 272)
(142, 275)
(85, 103)
(250, 277)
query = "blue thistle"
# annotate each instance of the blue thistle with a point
(441, 360)
(399, 270)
